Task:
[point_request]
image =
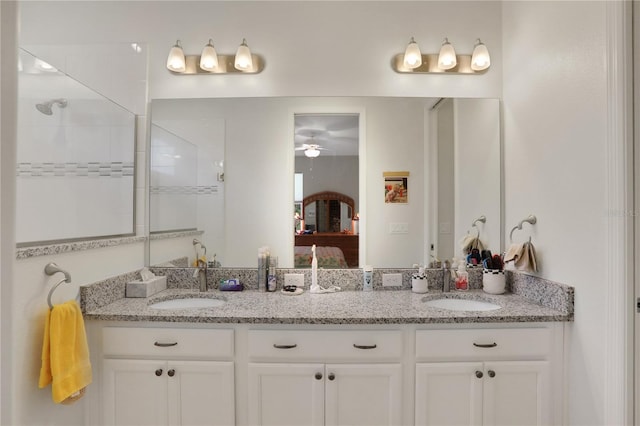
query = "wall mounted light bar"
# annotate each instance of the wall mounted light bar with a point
(210, 62)
(444, 62)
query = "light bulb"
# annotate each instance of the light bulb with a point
(243, 61)
(447, 57)
(412, 55)
(311, 152)
(209, 57)
(175, 60)
(480, 59)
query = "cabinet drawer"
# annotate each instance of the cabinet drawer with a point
(321, 345)
(167, 342)
(483, 344)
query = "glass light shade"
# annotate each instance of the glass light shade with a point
(311, 152)
(412, 55)
(447, 57)
(480, 59)
(209, 57)
(175, 60)
(243, 60)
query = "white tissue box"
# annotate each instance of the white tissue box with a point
(147, 288)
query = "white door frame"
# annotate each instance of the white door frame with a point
(618, 366)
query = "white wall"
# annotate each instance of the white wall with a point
(555, 113)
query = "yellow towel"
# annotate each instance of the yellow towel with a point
(65, 353)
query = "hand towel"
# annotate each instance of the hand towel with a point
(470, 242)
(514, 253)
(527, 262)
(65, 353)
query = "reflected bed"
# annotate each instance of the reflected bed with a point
(328, 257)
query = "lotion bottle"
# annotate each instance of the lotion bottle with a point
(367, 273)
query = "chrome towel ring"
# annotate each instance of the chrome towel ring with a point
(531, 219)
(52, 269)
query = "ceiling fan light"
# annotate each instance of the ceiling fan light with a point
(311, 152)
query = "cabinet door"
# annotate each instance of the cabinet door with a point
(286, 394)
(135, 392)
(449, 394)
(363, 394)
(200, 393)
(517, 393)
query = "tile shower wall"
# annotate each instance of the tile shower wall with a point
(173, 182)
(75, 172)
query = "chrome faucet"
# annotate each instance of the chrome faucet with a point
(201, 270)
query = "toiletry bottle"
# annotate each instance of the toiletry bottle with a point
(271, 277)
(367, 273)
(462, 277)
(263, 265)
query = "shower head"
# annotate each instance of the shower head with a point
(46, 107)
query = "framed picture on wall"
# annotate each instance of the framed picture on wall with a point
(396, 187)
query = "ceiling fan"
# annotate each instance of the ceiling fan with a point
(311, 149)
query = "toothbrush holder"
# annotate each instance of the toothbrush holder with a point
(493, 281)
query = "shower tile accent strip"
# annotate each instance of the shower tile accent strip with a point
(91, 169)
(537, 290)
(49, 249)
(174, 234)
(183, 190)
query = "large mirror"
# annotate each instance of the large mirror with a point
(450, 149)
(75, 155)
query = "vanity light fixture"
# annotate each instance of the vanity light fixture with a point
(176, 60)
(446, 61)
(243, 60)
(412, 55)
(209, 62)
(447, 57)
(209, 57)
(480, 59)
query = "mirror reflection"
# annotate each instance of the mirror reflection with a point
(75, 159)
(326, 188)
(452, 155)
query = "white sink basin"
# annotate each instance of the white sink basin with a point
(188, 303)
(462, 305)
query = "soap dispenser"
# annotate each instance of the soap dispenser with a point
(419, 282)
(462, 277)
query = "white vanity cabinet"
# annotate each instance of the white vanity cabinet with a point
(161, 376)
(485, 377)
(325, 377)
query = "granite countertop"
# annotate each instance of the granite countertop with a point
(346, 307)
